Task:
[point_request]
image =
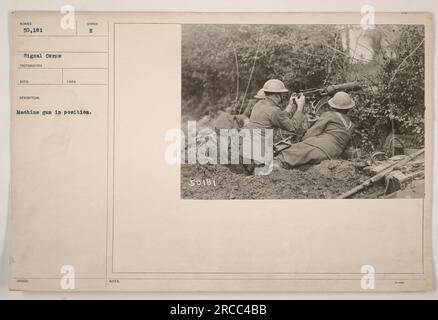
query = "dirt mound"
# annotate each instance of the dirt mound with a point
(335, 169)
(326, 180)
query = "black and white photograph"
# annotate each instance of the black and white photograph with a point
(316, 111)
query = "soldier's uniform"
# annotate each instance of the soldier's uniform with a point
(252, 102)
(249, 106)
(266, 114)
(326, 139)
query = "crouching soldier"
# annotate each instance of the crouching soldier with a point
(232, 119)
(252, 102)
(267, 115)
(326, 139)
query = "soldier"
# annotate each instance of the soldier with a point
(259, 96)
(326, 139)
(229, 119)
(267, 114)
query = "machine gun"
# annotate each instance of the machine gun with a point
(317, 98)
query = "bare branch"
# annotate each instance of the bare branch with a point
(404, 60)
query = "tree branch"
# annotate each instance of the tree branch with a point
(404, 60)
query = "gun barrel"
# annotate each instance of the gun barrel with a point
(310, 91)
(332, 89)
(349, 86)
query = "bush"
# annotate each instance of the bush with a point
(394, 101)
(225, 65)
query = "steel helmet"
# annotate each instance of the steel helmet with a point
(260, 94)
(274, 86)
(341, 100)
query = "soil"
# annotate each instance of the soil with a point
(326, 180)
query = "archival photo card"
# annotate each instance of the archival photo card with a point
(221, 152)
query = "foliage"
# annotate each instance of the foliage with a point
(394, 100)
(225, 65)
